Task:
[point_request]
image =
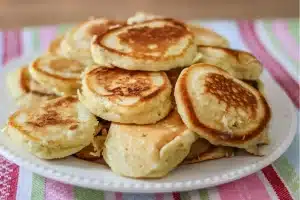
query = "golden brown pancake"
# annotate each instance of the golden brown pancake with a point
(126, 96)
(148, 150)
(56, 129)
(221, 108)
(76, 43)
(240, 64)
(154, 45)
(54, 47)
(202, 150)
(60, 73)
(26, 90)
(205, 36)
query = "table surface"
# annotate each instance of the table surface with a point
(275, 43)
(18, 13)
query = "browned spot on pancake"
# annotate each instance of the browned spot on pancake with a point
(122, 82)
(62, 102)
(24, 80)
(99, 29)
(50, 117)
(230, 92)
(152, 39)
(73, 127)
(66, 65)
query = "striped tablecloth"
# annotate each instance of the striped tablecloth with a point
(276, 45)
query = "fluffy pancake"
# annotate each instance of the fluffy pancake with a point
(56, 129)
(141, 17)
(239, 64)
(55, 46)
(148, 150)
(205, 36)
(76, 43)
(155, 45)
(202, 150)
(126, 96)
(25, 90)
(221, 108)
(61, 74)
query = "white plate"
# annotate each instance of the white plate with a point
(188, 177)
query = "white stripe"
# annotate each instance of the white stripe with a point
(1, 48)
(266, 183)
(214, 194)
(24, 184)
(109, 195)
(194, 195)
(27, 41)
(279, 56)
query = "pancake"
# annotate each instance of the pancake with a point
(150, 151)
(25, 90)
(155, 45)
(202, 150)
(239, 64)
(61, 74)
(140, 17)
(55, 46)
(207, 37)
(220, 108)
(93, 152)
(56, 129)
(76, 43)
(126, 96)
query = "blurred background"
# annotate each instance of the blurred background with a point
(17, 13)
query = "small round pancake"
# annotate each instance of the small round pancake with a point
(139, 17)
(155, 45)
(25, 90)
(55, 46)
(61, 74)
(221, 108)
(76, 43)
(126, 96)
(202, 150)
(205, 36)
(240, 64)
(148, 151)
(56, 129)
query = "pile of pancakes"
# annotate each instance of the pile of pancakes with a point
(143, 95)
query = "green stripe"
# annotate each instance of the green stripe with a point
(276, 43)
(36, 39)
(294, 29)
(289, 175)
(88, 194)
(203, 194)
(185, 196)
(38, 187)
(62, 28)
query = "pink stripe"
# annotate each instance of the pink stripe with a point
(58, 191)
(9, 172)
(12, 45)
(47, 34)
(159, 196)
(246, 188)
(288, 42)
(119, 196)
(278, 72)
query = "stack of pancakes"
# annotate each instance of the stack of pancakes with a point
(146, 95)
